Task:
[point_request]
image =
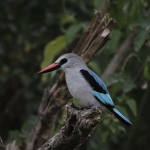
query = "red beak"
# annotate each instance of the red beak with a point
(49, 68)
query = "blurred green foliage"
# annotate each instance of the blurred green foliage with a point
(34, 33)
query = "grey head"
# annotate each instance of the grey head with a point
(70, 61)
(65, 62)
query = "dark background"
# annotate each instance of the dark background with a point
(31, 29)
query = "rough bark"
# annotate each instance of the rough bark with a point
(94, 36)
(79, 125)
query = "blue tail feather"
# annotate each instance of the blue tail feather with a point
(121, 117)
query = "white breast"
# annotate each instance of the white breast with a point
(80, 89)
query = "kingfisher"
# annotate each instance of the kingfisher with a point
(84, 85)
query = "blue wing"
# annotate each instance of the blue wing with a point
(101, 93)
(99, 89)
(105, 99)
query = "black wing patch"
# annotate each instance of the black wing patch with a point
(90, 79)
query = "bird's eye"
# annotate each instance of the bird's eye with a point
(63, 61)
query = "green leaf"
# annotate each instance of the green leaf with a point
(95, 67)
(132, 104)
(130, 58)
(120, 99)
(116, 35)
(146, 72)
(72, 31)
(98, 4)
(142, 23)
(115, 89)
(22, 136)
(113, 129)
(52, 49)
(67, 19)
(112, 79)
(128, 85)
(140, 39)
(121, 128)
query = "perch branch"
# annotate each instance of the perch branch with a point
(79, 125)
(12, 146)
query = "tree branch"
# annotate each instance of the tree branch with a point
(12, 146)
(79, 124)
(118, 60)
(94, 36)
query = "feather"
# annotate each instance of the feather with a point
(95, 82)
(121, 117)
(101, 93)
(99, 89)
(105, 99)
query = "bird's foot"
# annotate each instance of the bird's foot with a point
(82, 108)
(86, 107)
(72, 105)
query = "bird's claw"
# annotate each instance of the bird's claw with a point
(82, 108)
(87, 107)
(72, 105)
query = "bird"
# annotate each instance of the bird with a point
(84, 85)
